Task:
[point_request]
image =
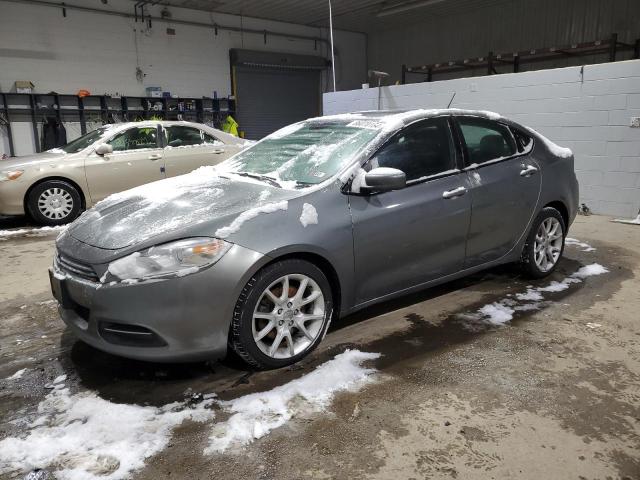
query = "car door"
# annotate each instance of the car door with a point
(136, 159)
(407, 237)
(188, 148)
(505, 187)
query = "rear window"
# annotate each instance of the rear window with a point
(524, 142)
(486, 140)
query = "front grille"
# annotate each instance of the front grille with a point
(76, 268)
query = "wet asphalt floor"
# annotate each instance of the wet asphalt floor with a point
(434, 366)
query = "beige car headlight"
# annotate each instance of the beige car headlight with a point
(179, 258)
(10, 175)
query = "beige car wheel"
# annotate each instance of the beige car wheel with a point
(54, 202)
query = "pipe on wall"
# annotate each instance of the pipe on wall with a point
(262, 33)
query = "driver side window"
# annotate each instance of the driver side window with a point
(135, 138)
(420, 150)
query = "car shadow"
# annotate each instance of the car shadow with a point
(130, 381)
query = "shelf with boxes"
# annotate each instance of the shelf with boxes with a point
(93, 110)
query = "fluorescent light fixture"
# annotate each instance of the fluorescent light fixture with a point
(406, 6)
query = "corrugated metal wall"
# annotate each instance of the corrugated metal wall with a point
(504, 27)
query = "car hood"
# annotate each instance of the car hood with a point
(31, 160)
(199, 203)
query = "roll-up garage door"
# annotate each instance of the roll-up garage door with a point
(274, 90)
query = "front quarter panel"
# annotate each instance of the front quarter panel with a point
(283, 233)
(63, 167)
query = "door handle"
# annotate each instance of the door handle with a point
(218, 150)
(155, 156)
(456, 192)
(528, 171)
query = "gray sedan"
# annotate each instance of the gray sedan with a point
(320, 219)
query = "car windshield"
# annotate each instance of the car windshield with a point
(306, 153)
(84, 141)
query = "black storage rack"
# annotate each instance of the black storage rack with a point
(489, 63)
(33, 107)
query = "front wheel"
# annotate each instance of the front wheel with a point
(282, 314)
(54, 202)
(545, 243)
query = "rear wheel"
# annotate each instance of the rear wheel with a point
(282, 314)
(54, 202)
(545, 243)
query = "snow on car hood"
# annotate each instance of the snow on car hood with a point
(201, 197)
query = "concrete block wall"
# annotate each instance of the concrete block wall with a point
(587, 109)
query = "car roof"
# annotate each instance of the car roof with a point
(408, 114)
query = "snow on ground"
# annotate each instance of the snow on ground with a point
(255, 415)
(80, 436)
(31, 232)
(247, 215)
(635, 221)
(502, 311)
(17, 375)
(585, 247)
(309, 215)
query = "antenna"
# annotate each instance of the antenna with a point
(451, 101)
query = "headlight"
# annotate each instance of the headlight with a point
(10, 175)
(176, 258)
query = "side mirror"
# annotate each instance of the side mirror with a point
(104, 149)
(383, 179)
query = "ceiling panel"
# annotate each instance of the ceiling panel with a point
(353, 15)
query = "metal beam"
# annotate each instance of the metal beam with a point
(44, 3)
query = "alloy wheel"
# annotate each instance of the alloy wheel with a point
(548, 244)
(288, 317)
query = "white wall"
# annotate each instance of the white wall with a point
(588, 111)
(98, 52)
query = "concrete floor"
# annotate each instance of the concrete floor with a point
(555, 394)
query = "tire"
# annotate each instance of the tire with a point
(54, 202)
(252, 335)
(545, 244)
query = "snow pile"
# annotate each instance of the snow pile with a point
(31, 232)
(502, 311)
(309, 215)
(255, 415)
(635, 221)
(247, 215)
(81, 436)
(590, 271)
(17, 375)
(497, 313)
(585, 247)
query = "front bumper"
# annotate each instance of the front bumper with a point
(12, 194)
(165, 320)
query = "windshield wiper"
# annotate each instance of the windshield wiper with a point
(264, 178)
(300, 183)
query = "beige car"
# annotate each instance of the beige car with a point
(55, 186)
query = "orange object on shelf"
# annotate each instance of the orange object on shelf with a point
(83, 93)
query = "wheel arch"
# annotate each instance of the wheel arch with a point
(323, 264)
(564, 212)
(83, 200)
